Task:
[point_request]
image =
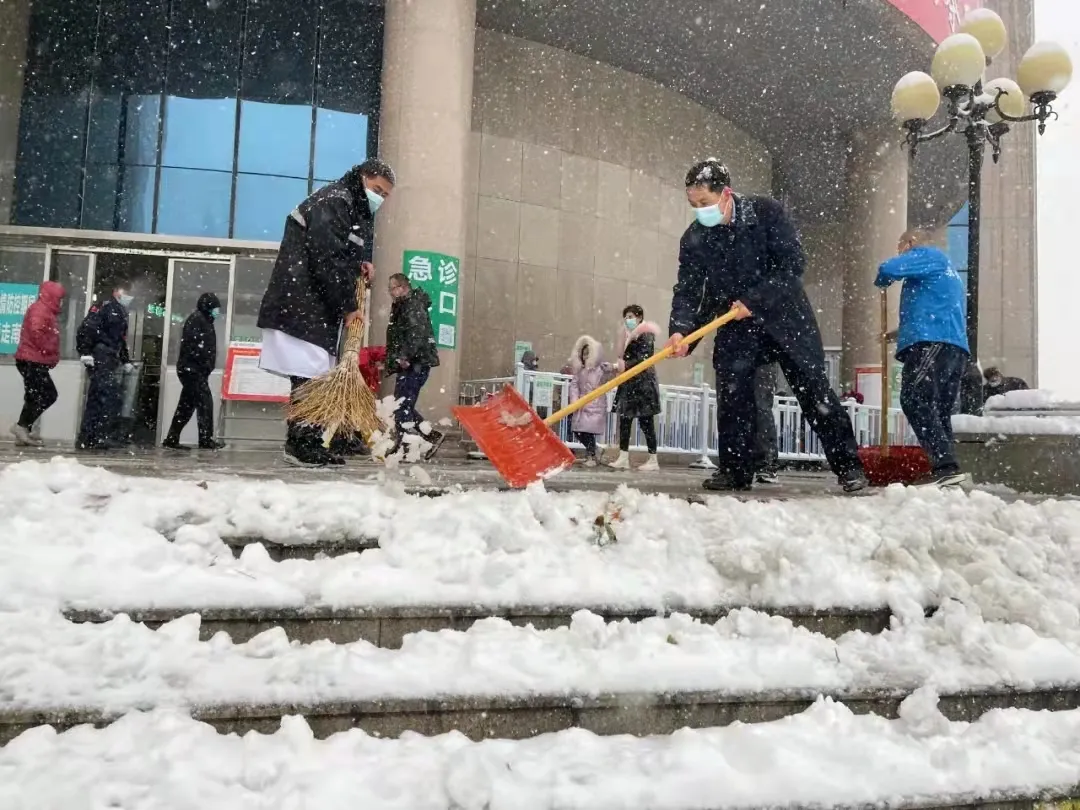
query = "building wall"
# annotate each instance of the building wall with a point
(579, 204)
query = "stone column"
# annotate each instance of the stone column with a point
(14, 29)
(877, 216)
(424, 128)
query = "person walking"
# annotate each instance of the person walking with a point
(639, 397)
(931, 342)
(311, 294)
(38, 352)
(742, 253)
(587, 372)
(410, 354)
(194, 365)
(102, 343)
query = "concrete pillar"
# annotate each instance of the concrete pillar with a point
(14, 30)
(877, 216)
(424, 133)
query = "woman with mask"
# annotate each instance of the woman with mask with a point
(195, 364)
(639, 397)
(587, 373)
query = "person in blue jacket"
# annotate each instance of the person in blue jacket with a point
(931, 342)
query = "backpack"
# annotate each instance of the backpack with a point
(87, 336)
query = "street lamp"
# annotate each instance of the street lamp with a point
(982, 112)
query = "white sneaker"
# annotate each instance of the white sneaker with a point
(622, 462)
(649, 465)
(22, 436)
(591, 461)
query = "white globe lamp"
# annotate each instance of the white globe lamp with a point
(1045, 69)
(1011, 100)
(959, 61)
(987, 27)
(916, 97)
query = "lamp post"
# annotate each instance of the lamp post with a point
(981, 112)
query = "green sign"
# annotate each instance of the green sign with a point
(437, 274)
(15, 299)
(543, 389)
(520, 347)
(894, 384)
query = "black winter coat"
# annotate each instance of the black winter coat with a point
(757, 260)
(111, 349)
(198, 342)
(313, 284)
(409, 335)
(639, 397)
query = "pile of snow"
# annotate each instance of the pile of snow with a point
(82, 537)
(46, 662)
(825, 756)
(1038, 399)
(1017, 424)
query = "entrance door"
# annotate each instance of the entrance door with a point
(74, 270)
(188, 279)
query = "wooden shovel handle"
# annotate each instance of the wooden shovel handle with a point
(886, 378)
(630, 373)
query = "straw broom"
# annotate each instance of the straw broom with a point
(340, 400)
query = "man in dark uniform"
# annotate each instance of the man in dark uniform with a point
(312, 290)
(743, 253)
(106, 358)
(194, 365)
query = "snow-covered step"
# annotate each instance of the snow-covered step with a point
(497, 679)
(387, 626)
(826, 757)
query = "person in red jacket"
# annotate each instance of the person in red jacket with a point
(38, 351)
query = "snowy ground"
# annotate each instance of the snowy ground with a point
(825, 756)
(47, 663)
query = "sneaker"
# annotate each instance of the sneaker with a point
(854, 481)
(213, 444)
(622, 462)
(300, 456)
(944, 480)
(174, 444)
(649, 465)
(590, 461)
(767, 477)
(722, 481)
(334, 460)
(436, 437)
(23, 437)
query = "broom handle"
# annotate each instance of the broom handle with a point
(355, 332)
(644, 365)
(886, 394)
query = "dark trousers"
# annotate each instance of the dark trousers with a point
(589, 440)
(745, 347)
(104, 398)
(648, 428)
(407, 387)
(929, 389)
(299, 436)
(765, 448)
(195, 397)
(39, 392)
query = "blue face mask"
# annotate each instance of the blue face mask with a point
(630, 323)
(374, 200)
(215, 312)
(709, 216)
(125, 300)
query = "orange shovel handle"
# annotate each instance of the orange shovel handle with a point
(630, 373)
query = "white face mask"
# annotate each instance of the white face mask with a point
(125, 300)
(374, 199)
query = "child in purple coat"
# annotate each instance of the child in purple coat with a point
(587, 373)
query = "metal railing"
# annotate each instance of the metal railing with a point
(687, 421)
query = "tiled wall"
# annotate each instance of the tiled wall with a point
(579, 201)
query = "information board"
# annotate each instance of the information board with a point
(244, 381)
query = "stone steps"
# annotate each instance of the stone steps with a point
(520, 717)
(387, 626)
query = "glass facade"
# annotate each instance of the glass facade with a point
(958, 242)
(207, 118)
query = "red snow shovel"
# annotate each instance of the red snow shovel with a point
(895, 464)
(520, 444)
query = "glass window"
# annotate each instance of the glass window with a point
(118, 198)
(193, 202)
(72, 270)
(341, 141)
(199, 133)
(274, 139)
(262, 203)
(349, 76)
(124, 129)
(191, 279)
(249, 286)
(22, 265)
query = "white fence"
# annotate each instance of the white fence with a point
(687, 420)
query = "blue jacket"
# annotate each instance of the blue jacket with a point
(933, 306)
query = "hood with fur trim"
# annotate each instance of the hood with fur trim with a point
(595, 351)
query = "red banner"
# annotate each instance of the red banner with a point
(938, 18)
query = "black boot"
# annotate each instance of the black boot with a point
(724, 481)
(853, 481)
